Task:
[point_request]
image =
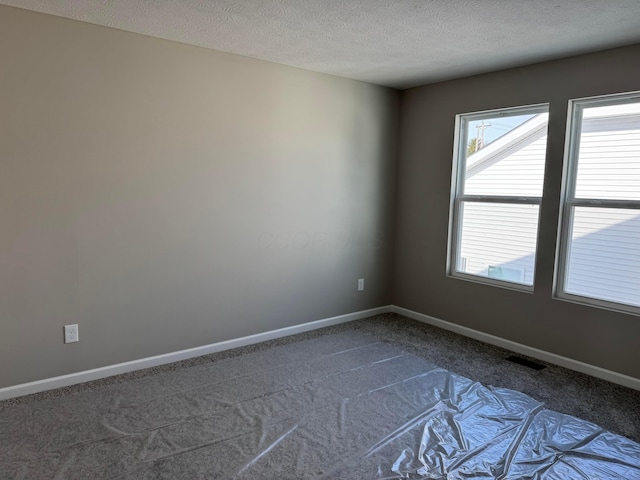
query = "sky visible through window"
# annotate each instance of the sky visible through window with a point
(494, 128)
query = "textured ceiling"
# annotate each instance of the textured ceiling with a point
(401, 43)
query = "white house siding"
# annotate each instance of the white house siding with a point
(519, 171)
(499, 235)
(604, 259)
(604, 256)
(616, 142)
(504, 235)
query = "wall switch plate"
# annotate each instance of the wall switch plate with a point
(360, 284)
(71, 333)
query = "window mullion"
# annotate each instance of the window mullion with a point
(604, 203)
(499, 199)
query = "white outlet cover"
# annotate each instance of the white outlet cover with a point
(71, 333)
(360, 284)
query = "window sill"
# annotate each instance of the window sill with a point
(491, 282)
(595, 303)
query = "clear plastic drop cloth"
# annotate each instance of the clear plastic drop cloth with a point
(341, 406)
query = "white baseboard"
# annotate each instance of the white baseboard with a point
(110, 370)
(565, 362)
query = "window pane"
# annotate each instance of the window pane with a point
(609, 153)
(498, 241)
(510, 159)
(604, 255)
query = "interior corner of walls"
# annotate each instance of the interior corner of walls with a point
(165, 138)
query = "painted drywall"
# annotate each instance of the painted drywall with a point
(592, 335)
(164, 196)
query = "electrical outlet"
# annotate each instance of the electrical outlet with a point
(361, 284)
(71, 333)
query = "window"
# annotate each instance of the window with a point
(598, 261)
(499, 163)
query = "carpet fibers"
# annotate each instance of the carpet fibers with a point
(385, 397)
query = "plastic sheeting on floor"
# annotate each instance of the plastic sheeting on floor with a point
(341, 406)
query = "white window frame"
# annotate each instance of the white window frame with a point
(569, 201)
(458, 197)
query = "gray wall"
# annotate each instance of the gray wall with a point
(164, 196)
(592, 335)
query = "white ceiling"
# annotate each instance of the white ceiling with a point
(401, 43)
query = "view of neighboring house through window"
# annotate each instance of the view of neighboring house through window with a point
(599, 255)
(499, 164)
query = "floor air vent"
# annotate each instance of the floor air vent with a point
(525, 362)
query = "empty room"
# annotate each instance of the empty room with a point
(319, 240)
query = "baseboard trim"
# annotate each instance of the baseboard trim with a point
(110, 370)
(516, 347)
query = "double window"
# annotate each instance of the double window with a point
(499, 166)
